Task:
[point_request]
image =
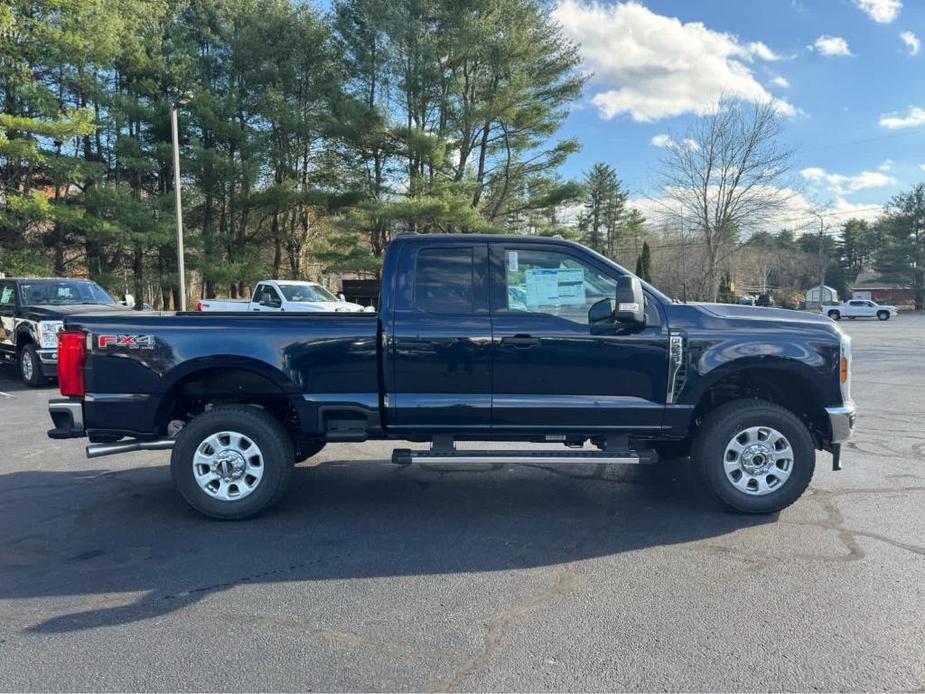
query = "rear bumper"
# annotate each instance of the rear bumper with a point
(67, 415)
(841, 421)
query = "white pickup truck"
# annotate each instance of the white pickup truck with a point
(285, 295)
(859, 308)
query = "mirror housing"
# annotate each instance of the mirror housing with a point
(342, 297)
(601, 312)
(630, 307)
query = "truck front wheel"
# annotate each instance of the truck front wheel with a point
(755, 456)
(30, 368)
(232, 462)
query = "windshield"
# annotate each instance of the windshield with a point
(63, 293)
(306, 292)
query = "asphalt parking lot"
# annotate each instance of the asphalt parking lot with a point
(375, 577)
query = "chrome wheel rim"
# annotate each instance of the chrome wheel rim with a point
(228, 466)
(26, 367)
(758, 460)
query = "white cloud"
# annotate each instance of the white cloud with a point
(912, 42)
(796, 213)
(832, 45)
(780, 82)
(760, 50)
(650, 66)
(844, 185)
(913, 118)
(886, 165)
(841, 211)
(922, 167)
(661, 140)
(882, 11)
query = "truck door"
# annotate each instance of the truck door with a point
(553, 371)
(266, 298)
(858, 309)
(7, 318)
(439, 340)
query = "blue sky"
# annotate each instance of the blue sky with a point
(848, 74)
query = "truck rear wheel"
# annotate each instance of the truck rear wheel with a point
(755, 456)
(232, 462)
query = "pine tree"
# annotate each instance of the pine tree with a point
(643, 263)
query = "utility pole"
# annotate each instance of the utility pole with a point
(821, 259)
(181, 269)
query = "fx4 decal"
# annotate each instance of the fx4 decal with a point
(126, 341)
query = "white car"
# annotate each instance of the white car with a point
(860, 308)
(285, 295)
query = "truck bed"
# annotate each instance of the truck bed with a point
(135, 361)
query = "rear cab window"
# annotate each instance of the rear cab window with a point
(450, 280)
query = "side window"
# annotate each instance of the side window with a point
(443, 281)
(7, 296)
(555, 283)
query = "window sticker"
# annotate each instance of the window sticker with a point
(512, 262)
(552, 287)
(7, 297)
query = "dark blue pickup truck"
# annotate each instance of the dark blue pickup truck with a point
(477, 338)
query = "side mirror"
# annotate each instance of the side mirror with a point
(342, 297)
(631, 302)
(601, 312)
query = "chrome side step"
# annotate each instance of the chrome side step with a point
(98, 450)
(404, 456)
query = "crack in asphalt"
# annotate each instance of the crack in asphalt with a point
(565, 579)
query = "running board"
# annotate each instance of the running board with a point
(405, 456)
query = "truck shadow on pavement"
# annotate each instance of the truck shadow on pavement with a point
(11, 383)
(89, 537)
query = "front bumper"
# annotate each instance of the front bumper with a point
(49, 361)
(67, 414)
(841, 421)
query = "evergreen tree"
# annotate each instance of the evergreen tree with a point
(643, 263)
(604, 208)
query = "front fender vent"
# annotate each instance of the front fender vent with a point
(677, 367)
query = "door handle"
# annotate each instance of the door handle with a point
(521, 341)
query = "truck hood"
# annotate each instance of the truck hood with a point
(52, 311)
(777, 315)
(327, 306)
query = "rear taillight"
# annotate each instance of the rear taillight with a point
(201, 306)
(72, 355)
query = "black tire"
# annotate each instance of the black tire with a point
(834, 315)
(267, 433)
(718, 429)
(307, 449)
(29, 363)
(883, 315)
